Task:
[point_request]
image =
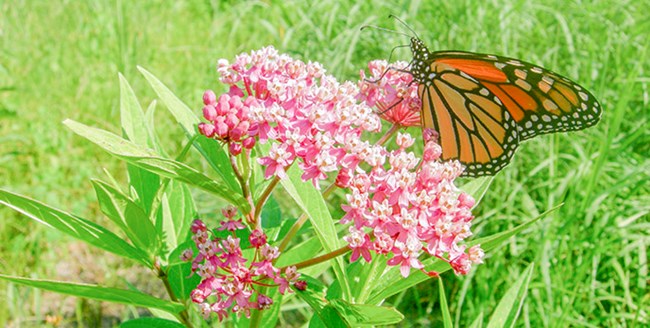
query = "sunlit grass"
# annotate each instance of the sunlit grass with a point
(60, 60)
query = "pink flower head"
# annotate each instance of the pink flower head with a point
(360, 244)
(392, 92)
(228, 279)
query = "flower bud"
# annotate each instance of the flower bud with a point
(264, 302)
(432, 151)
(209, 112)
(207, 130)
(187, 255)
(249, 143)
(257, 238)
(235, 148)
(301, 285)
(209, 98)
(198, 225)
(343, 178)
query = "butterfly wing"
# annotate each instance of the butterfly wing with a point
(472, 122)
(539, 100)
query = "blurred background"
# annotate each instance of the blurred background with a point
(60, 59)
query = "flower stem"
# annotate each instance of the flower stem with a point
(319, 259)
(264, 197)
(292, 232)
(389, 134)
(183, 315)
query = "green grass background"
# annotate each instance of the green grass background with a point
(60, 59)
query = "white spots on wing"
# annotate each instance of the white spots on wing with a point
(523, 84)
(548, 80)
(549, 105)
(484, 92)
(521, 74)
(583, 96)
(499, 65)
(536, 70)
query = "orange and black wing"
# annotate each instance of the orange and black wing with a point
(484, 105)
(473, 124)
(540, 101)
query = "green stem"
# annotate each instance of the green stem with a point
(319, 259)
(263, 198)
(183, 315)
(388, 134)
(294, 229)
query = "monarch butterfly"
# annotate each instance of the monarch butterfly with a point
(482, 105)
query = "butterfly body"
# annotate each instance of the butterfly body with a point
(482, 106)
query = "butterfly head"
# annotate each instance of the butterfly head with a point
(421, 56)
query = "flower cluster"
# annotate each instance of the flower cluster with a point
(308, 113)
(410, 208)
(228, 279)
(398, 205)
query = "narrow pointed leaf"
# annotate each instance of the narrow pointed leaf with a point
(74, 226)
(508, 309)
(147, 160)
(444, 307)
(360, 315)
(210, 149)
(311, 201)
(108, 294)
(151, 323)
(130, 217)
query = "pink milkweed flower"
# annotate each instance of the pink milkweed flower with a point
(359, 242)
(232, 225)
(392, 92)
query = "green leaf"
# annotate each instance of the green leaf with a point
(147, 160)
(151, 323)
(392, 282)
(271, 214)
(311, 201)
(74, 226)
(366, 315)
(180, 274)
(363, 277)
(210, 149)
(477, 188)
(340, 313)
(314, 296)
(508, 309)
(444, 307)
(130, 217)
(178, 210)
(134, 125)
(108, 294)
(478, 322)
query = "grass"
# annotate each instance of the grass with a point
(60, 60)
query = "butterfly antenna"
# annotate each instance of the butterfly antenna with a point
(392, 51)
(405, 25)
(384, 29)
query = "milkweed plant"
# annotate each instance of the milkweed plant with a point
(324, 197)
